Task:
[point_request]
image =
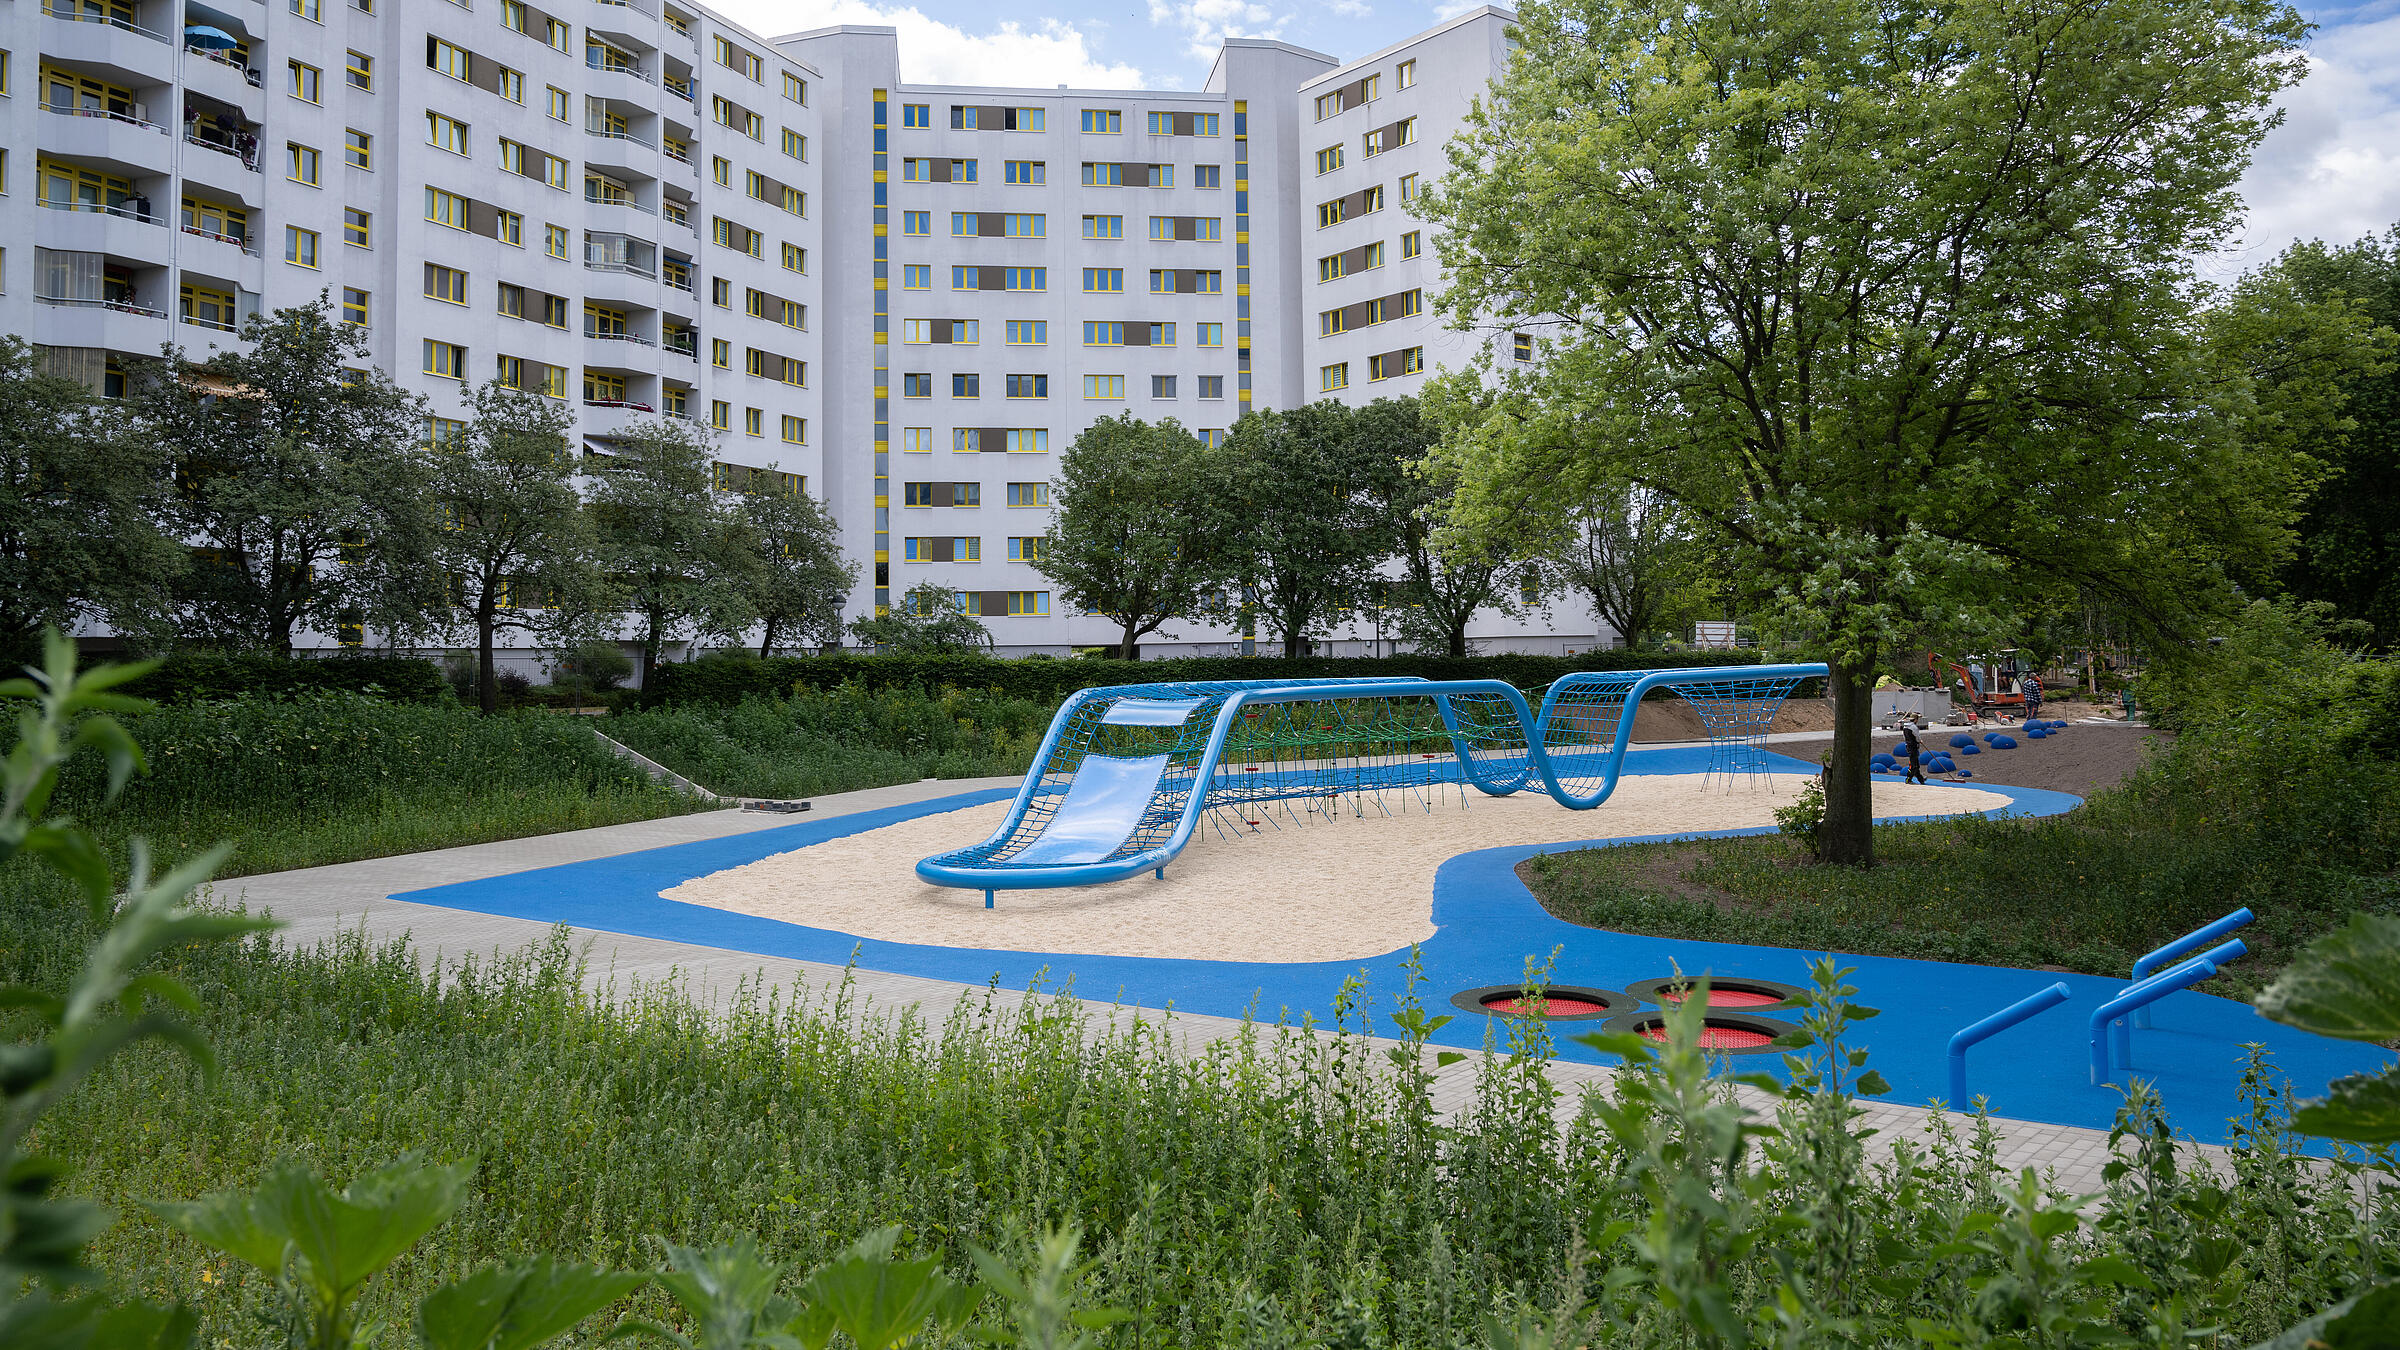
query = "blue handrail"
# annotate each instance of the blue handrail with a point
(1633, 697)
(2144, 994)
(2189, 942)
(1992, 1026)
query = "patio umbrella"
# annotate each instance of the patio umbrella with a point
(201, 35)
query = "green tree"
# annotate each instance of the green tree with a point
(515, 551)
(1144, 532)
(682, 559)
(2349, 528)
(77, 538)
(301, 479)
(928, 619)
(1893, 302)
(1443, 581)
(1628, 554)
(802, 577)
(1311, 529)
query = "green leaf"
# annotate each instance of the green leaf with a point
(518, 1307)
(1634, 1049)
(230, 1222)
(2363, 1108)
(1871, 1084)
(2372, 1322)
(347, 1239)
(878, 1302)
(2345, 984)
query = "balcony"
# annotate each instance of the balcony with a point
(224, 79)
(620, 203)
(635, 23)
(131, 54)
(226, 257)
(125, 232)
(623, 153)
(124, 144)
(117, 325)
(612, 419)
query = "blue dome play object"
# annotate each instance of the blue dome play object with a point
(1941, 764)
(1899, 748)
(1970, 748)
(1962, 738)
(2000, 742)
(2037, 734)
(1966, 773)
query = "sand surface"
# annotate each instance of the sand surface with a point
(1338, 889)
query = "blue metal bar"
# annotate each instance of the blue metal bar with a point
(1633, 699)
(1992, 1026)
(2141, 995)
(2189, 942)
(2221, 955)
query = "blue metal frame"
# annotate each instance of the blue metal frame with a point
(2192, 941)
(2145, 993)
(973, 868)
(1992, 1026)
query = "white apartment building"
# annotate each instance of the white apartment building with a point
(907, 300)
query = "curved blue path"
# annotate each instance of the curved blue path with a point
(1487, 924)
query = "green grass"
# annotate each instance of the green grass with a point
(325, 778)
(838, 740)
(2204, 829)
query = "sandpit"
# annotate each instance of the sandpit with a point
(1337, 889)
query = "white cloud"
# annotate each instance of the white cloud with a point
(1046, 52)
(1207, 23)
(1451, 9)
(1351, 9)
(2332, 170)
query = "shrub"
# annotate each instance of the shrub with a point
(838, 740)
(193, 677)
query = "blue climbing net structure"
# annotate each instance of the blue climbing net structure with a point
(1127, 774)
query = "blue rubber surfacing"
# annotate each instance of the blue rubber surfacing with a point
(1487, 926)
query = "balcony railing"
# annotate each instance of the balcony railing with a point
(628, 4)
(643, 141)
(619, 68)
(683, 283)
(71, 110)
(120, 306)
(626, 404)
(219, 324)
(249, 246)
(602, 335)
(627, 202)
(249, 161)
(110, 19)
(226, 59)
(687, 350)
(99, 208)
(679, 88)
(592, 264)
(683, 156)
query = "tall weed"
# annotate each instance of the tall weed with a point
(838, 740)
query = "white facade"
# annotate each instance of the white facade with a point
(912, 297)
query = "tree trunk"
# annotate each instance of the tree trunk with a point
(766, 639)
(1295, 642)
(1458, 634)
(1848, 833)
(1125, 647)
(650, 641)
(487, 688)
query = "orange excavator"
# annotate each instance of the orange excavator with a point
(1992, 683)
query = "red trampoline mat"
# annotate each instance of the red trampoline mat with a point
(1728, 998)
(1552, 1007)
(1714, 1037)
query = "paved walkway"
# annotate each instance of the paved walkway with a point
(318, 902)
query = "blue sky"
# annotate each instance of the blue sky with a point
(2332, 171)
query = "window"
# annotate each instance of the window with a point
(1336, 376)
(557, 105)
(1206, 176)
(299, 246)
(1329, 159)
(1408, 188)
(1213, 438)
(1162, 386)
(1028, 441)
(1200, 124)
(795, 144)
(1351, 207)
(720, 354)
(916, 277)
(300, 163)
(213, 218)
(1212, 386)
(721, 169)
(938, 170)
(308, 9)
(512, 15)
(1103, 121)
(1029, 494)
(445, 359)
(1390, 364)
(554, 311)
(916, 222)
(1104, 227)
(555, 240)
(754, 421)
(447, 284)
(1025, 278)
(358, 149)
(795, 258)
(512, 300)
(735, 59)
(720, 414)
(795, 430)
(354, 307)
(734, 116)
(1025, 172)
(357, 228)
(1025, 548)
(447, 59)
(1521, 346)
(444, 433)
(1411, 244)
(307, 82)
(1029, 386)
(795, 88)
(509, 228)
(446, 208)
(740, 238)
(1206, 229)
(1398, 134)
(443, 132)
(1209, 334)
(1104, 387)
(966, 386)
(1028, 332)
(512, 84)
(1103, 333)
(362, 71)
(916, 115)
(916, 384)
(1028, 603)
(916, 440)
(1406, 76)
(1171, 281)
(965, 548)
(1103, 279)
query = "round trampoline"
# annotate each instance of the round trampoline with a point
(1728, 1033)
(1725, 993)
(1554, 1003)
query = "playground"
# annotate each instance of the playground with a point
(1244, 849)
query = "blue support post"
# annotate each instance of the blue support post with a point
(2219, 956)
(2141, 995)
(2189, 942)
(1992, 1026)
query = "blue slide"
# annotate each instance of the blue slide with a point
(1126, 773)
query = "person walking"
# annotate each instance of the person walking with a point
(1916, 769)
(2032, 686)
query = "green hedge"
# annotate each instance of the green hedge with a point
(196, 677)
(730, 678)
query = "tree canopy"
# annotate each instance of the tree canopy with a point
(682, 559)
(1893, 300)
(1311, 533)
(1144, 532)
(797, 591)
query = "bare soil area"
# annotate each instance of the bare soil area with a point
(2082, 759)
